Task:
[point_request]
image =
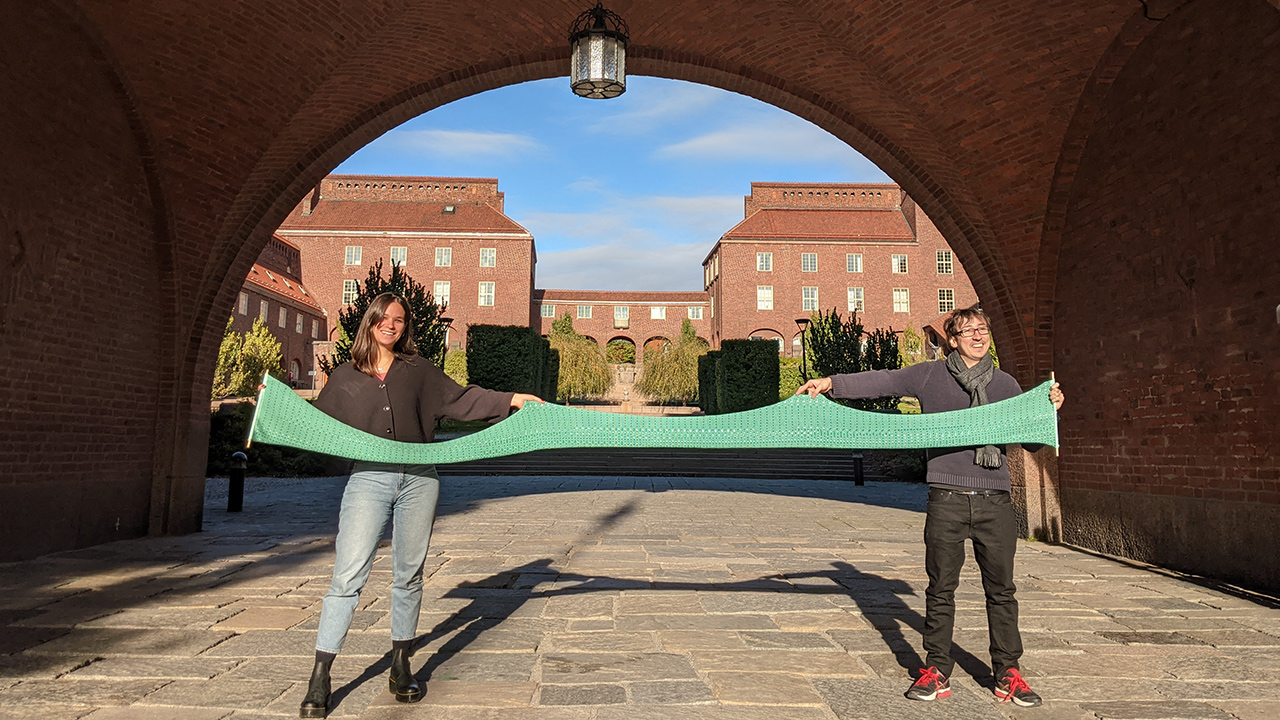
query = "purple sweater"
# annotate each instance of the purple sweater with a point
(932, 384)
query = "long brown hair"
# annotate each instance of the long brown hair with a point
(364, 349)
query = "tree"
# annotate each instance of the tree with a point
(671, 370)
(583, 370)
(242, 360)
(843, 346)
(228, 376)
(620, 352)
(428, 333)
(912, 347)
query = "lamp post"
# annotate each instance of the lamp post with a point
(598, 54)
(803, 324)
(447, 324)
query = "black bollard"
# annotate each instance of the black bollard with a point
(235, 485)
(858, 477)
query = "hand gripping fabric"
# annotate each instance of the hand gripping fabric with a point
(283, 418)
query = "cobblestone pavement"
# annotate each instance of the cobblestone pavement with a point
(611, 598)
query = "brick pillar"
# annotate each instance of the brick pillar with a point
(1034, 476)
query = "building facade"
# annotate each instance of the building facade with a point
(273, 291)
(637, 317)
(806, 247)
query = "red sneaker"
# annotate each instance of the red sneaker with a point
(930, 685)
(1011, 686)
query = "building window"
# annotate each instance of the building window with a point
(764, 297)
(809, 298)
(444, 257)
(808, 262)
(695, 313)
(900, 264)
(855, 300)
(901, 300)
(549, 311)
(764, 262)
(297, 326)
(621, 316)
(488, 257)
(315, 329)
(712, 305)
(350, 288)
(440, 293)
(853, 262)
(946, 300)
(658, 312)
(399, 256)
(354, 253)
(244, 303)
(486, 294)
(945, 266)
(584, 312)
(283, 318)
(262, 309)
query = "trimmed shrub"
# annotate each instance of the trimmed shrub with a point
(507, 358)
(455, 366)
(746, 375)
(707, 382)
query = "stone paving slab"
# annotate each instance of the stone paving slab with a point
(607, 598)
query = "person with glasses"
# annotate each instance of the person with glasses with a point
(968, 499)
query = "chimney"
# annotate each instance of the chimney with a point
(310, 201)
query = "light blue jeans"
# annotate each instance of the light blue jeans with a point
(377, 492)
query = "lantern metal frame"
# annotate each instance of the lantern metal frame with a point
(598, 23)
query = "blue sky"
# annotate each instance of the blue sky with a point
(622, 194)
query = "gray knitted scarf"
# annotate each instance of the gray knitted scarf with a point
(974, 381)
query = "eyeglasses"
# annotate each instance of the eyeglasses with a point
(970, 332)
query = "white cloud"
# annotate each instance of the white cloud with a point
(707, 216)
(777, 139)
(463, 143)
(623, 266)
(663, 104)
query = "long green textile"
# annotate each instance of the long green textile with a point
(283, 418)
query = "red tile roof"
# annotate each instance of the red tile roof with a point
(282, 286)
(376, 215)
(824, 224)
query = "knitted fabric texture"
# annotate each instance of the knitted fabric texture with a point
(283, 418)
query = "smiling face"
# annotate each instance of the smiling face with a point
(390, 327)
(973, 342)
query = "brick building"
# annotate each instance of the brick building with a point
(450, 234)
(638, 317)
(805, 247)
(273, 291)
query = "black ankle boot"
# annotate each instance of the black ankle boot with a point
(403, 684)
(316, 703)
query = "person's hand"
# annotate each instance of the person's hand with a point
(1056, 396)
(815, 387)
(519, 399)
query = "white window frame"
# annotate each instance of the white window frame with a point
(353, 255)
(902, 300)
(488, 257)
(621, 316)
(350, 289)
(440, 291)
(809, 262)
(764, 297)
(809, 298)
(282, 318)
(946, 300)
(658, 312)
(263, 311)
(853, 262)
(764, 262)
(297, 325)
(857, 300)
(899, 263)
(584, 312)
(243, 305)
(315, 329)
(399, 255)
(444, 257)
(488, 291)
(695, 312)
(946, 263)
(548, 311)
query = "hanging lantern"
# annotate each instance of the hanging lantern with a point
(598, 47)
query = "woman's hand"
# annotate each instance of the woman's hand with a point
(1056, 396)
(815, 387)
(519, 399)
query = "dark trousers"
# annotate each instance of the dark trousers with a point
(988, 521)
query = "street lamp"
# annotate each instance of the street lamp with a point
(598, 54)
(803, 324)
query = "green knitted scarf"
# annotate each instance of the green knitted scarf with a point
(283, 418)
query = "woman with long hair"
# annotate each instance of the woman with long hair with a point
(389, 391)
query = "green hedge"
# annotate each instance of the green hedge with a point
(741, 375)
(511, 358)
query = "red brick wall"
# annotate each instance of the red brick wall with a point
(1166, 336)
(294, 345)
(82, 311)
(406, 189)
